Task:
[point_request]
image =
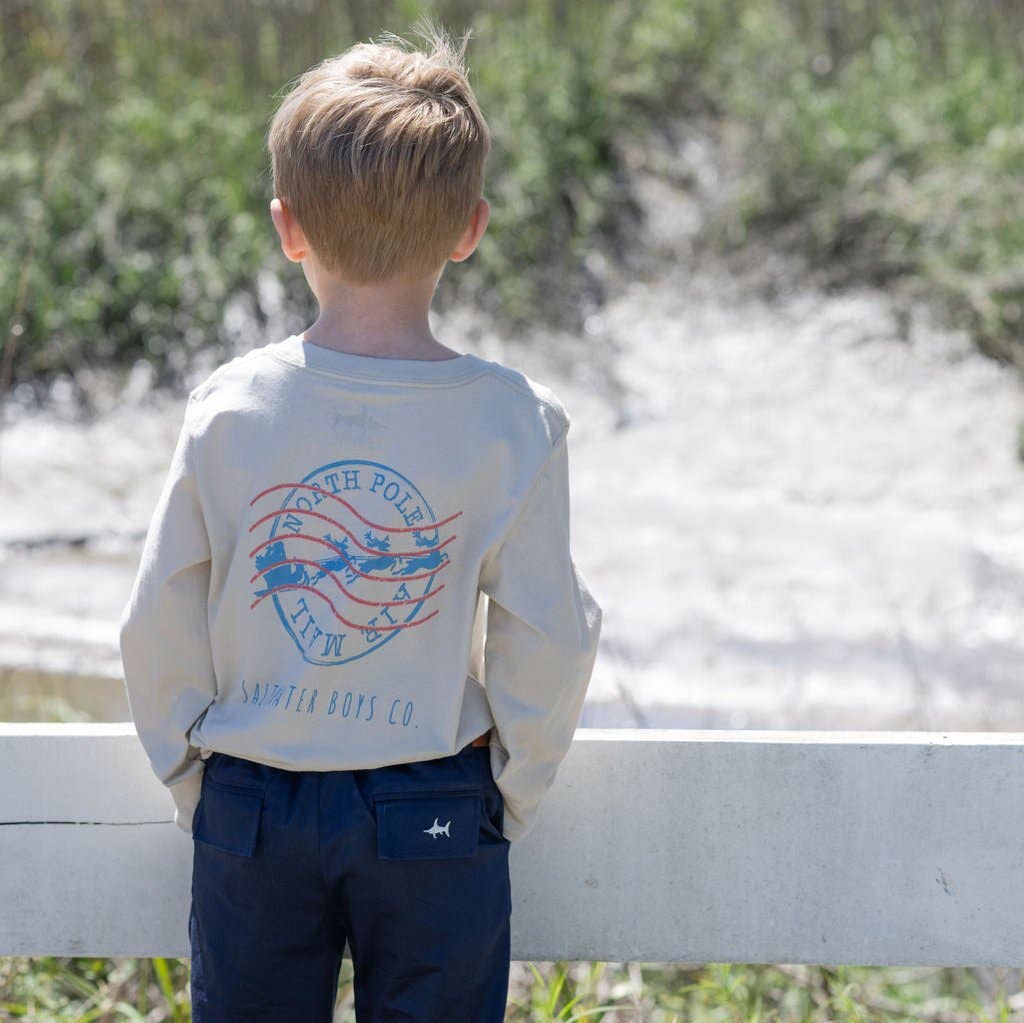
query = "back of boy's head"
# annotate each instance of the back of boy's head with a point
(379, 153)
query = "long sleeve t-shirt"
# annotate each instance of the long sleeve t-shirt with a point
(358, 561)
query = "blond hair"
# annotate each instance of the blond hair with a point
(379, 153)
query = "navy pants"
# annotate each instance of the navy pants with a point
(407, 862)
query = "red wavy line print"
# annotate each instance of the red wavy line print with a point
(369, 550)
(335, 547)
(351, 596)
(341, 500)
(340, 617)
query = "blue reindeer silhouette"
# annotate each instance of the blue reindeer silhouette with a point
(421, 562)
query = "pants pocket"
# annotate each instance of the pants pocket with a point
(494, 811)
(228, 817)
(427, 825)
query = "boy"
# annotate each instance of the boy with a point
(304, 646)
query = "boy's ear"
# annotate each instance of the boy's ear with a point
(293, 241)
(473, 233)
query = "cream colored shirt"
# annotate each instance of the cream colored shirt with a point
(358, 561)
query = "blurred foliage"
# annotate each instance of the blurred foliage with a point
(52, 990)
(134, 182)
(131, 184)
(893, 135)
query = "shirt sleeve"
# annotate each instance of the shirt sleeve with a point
(164, 632)
(542, 631)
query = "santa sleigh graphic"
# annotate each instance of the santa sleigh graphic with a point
(363, 573)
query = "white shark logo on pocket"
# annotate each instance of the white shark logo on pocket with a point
(435, 829)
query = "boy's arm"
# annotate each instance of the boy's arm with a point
(543, 626)
(164, 633)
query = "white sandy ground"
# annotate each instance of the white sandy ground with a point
(792, 517)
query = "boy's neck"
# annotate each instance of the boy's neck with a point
(387, 321)
(426, 348)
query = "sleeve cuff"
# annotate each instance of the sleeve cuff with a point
(514, 829)
(185, 794)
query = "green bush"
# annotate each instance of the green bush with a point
(898, 151)
(134, 182)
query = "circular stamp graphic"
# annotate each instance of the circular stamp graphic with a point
(351, 556)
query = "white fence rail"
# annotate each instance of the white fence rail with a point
(654, 845)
